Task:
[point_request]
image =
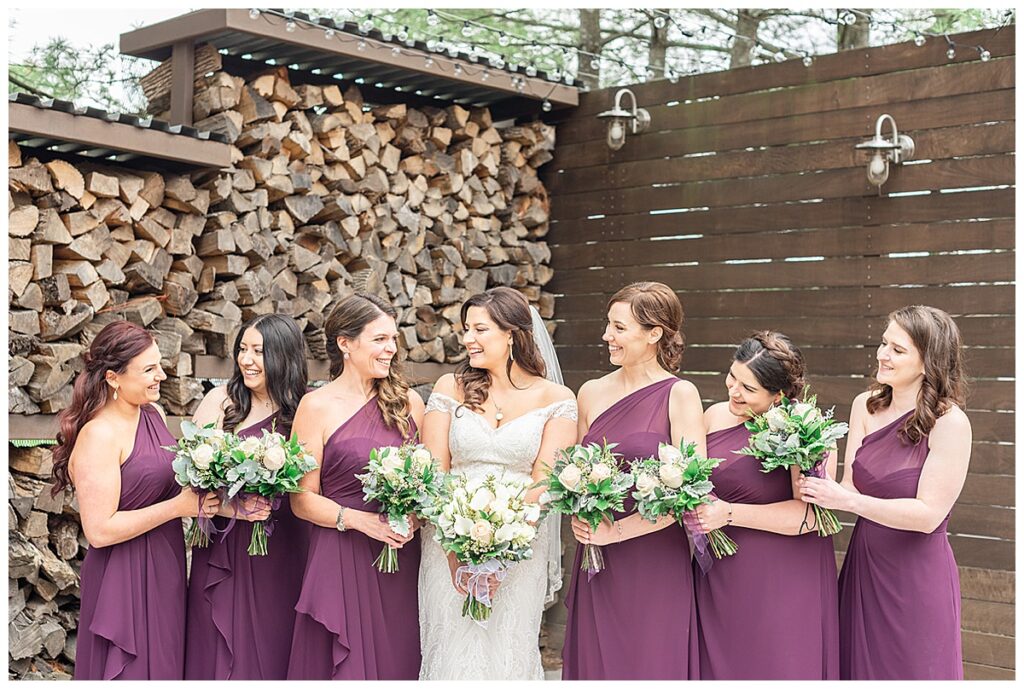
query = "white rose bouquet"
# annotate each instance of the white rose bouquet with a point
(404, 480)
(270, 466)
(487, 523)
(586, 481)
(201, 460)
(675, 483)
(797, 433)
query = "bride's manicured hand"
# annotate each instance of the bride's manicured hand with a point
(605, 533)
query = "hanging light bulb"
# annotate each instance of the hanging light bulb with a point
(366, 26)
(396, 51)
(555, 75)
(254, 13)
(521, 85)
(467, 30)
(808, 60)
(458, 70)
(361, 46)
(485, 76)
(429, 62)
(951, 53)
(503, 39)
(595, 63)
(673, 77)
(546, 105)
(431, 44)
(659, 22)
(432, 18)
(919, 40)
(849, 18)
(403, 34)
(780, 56)
(328, 34)
(386, 37)
(290, 26)
(985, 55)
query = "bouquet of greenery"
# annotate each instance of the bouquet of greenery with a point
(404, 480)
(487, 523)
(270, 466)
(675, 483)
(586, 481)
(202, 459)
(797, 434)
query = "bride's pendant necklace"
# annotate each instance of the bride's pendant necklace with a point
(498, 415)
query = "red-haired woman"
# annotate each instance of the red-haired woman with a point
(111, 440)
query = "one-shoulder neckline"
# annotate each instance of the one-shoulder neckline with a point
(627, 396)
(344, 423)
(728, 428)
(508, 423)
(888, 425)
(257, 423)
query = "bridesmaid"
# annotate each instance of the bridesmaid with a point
(906, 461)
(352, 621)
(111, 447)
(770, 611)
(241, 609)
(636, 618)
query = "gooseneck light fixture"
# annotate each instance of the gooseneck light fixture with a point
(620, 119)
(885, 151)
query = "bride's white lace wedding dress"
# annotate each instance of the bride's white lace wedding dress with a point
(453, 646)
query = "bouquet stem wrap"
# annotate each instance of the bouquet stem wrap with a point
(701, 544)
(824, 519)
(478, 603)
(593, 560)
(202, 527)
(261, 530)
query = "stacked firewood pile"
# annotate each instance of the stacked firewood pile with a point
(423, 206)
(45, 551)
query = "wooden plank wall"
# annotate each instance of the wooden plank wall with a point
(748, 198)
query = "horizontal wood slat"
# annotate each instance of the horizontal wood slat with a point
(870, 91)
(842, 65)
(988, 649)
(974, 671)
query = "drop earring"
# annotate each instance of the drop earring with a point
(511, 351)
(115, 394)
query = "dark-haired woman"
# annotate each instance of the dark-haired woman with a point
(635, 619)
(353, 622)
(241, 609)
(111, 448)
(770, 611)
(906, 461)
(498, 414)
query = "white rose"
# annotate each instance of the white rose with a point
(671, 475)
(776, 418)
(646, 483)
(463, 525)
(481, 499)
(250, 446)
(809, 412)
(599, 472)
(481, 532)
(421, 457)
(505, 533)
(507, 516)
(526, 533)
(570, 477)
(274, 458)
(532, 512)
(202, 456)
(391, 463)
(498, 505)
(669, 453)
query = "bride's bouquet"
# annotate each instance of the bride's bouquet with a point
(270, 466)
(202, 458)
(486, 523)
(404, 480)
(675, 483)
(797, 434)
(586, 482)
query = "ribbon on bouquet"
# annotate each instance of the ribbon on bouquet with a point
(701, 546)
(476, 581)
(203, 523)
(816, 471)
(238, 503)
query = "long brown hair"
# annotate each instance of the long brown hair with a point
(511, 312)
(111, 350)
(775, 361)
(654, 304)
(348, 319)
(937, 339)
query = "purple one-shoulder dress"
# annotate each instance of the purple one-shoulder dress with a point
(132, 619)
(352, 621)
(241, 609)
(899, 591)
(770, 611)
(635, 619)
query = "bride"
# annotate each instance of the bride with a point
(497, 414)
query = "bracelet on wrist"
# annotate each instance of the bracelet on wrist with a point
(618, 527)
(339, 523)
(728, 520)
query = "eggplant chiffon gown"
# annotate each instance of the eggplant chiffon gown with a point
(353, 622)
(899, 591)
(132, 620)
(241, 608)
(771, 611)
(636, 618)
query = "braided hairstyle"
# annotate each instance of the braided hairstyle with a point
(111, 350)
(937, 339)
(655, 305)
(775, 361)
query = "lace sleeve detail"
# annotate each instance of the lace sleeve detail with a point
(441, 402)
(566, 409)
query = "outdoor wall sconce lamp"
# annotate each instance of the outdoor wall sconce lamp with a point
(619, 119)
(883, 152)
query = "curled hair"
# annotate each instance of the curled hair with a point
(510, 311)
(775, 361)
(284, 367)
(937, 339)
(111, 350)
(654, 304)
(348, 319)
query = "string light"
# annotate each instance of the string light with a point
(366, 26)
(546, 105)
(329, 34)
(919, 40)
(467, 30)
(290, 26)
(432, 18)
(984, 54)
(254, 14)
